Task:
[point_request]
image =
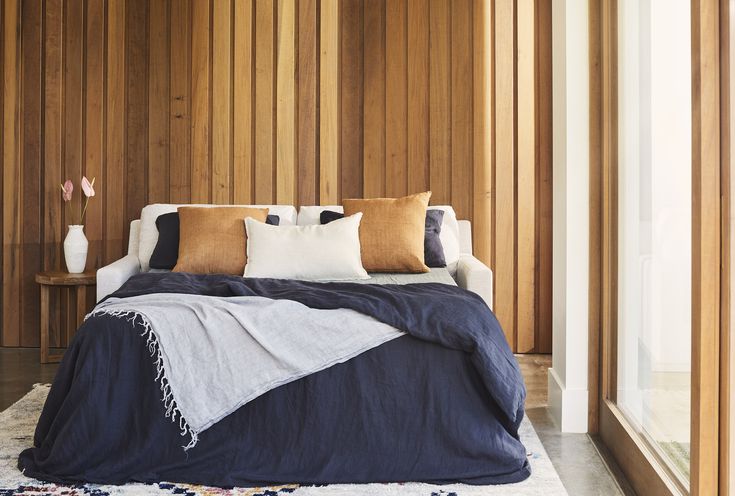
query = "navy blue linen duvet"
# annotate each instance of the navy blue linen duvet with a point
(440, 404)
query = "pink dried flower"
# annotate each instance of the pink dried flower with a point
(88, 187)
(67, 188)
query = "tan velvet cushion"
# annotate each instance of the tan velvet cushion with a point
(392, 232)
(212, 240)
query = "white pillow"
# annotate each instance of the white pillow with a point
(309, 215)
(318, 253)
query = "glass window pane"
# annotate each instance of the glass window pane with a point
(654, 223)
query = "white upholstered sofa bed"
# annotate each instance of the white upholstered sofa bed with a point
(456, 236)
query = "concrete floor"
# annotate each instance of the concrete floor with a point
(583, 465)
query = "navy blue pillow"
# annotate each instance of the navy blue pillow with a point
(166, 252)
(433, 249)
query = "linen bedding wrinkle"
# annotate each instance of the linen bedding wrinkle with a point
(213, 355)
(440, 403)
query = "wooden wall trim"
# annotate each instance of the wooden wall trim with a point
(273, 101)
(595, 230)
(705, 245)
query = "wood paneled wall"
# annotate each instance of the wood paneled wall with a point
(278, 101)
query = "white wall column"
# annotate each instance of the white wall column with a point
(568, 375)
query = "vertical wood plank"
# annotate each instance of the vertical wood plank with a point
(32, 39)
(264, 95)
(180, 108)
(52, 150)
(482, 215)
(221, 101)
(200, 108)
(158, 102)
(374, 177)
(440, 176)
(115, 131)
(706, 191)
(544, 208)
(329, 90)
(243, 103)
(286, 104)
(12, 175)
(461, 98)
(94, 125)
(73, 59)
(396, 98)
(307, 107)
(351, 98)
(504, 235)
(136, 191)
(526, 177)
(418, 95)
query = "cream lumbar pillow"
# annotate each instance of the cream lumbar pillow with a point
(392, 232)
(212, 240)
(317, 253)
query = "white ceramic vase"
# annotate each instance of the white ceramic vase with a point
(75, 249)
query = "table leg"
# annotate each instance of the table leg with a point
(81, 304)
(44, 323)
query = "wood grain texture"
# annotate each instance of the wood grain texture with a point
(245, 101)
(351, 98)
(329, 91)
(526, 177)
(159, 102)
(180, 105)
(115, 129)
(396, 98)
(462, 107)
(52, 143)
(440, 161)
(94, 125)
(221, 102)
(374, 93)
(482, 72)
(242, 144)
(286, 103)
(308, 108)
(264, 101)
(418, 96)
(136, 132)
(705, 246)
(31, 103)
(504, 260)
(201, 116)
(545, 186)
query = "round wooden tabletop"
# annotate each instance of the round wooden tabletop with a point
(61, 278)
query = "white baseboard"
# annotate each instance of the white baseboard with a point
(568, 406)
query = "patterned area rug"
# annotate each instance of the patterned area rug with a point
(18, 422)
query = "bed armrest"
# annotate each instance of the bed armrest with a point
(475, 276)
(111, 277)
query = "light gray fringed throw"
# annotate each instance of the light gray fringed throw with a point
(214, 354)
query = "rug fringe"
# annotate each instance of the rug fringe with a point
(154, 348)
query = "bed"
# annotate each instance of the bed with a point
(439, 400)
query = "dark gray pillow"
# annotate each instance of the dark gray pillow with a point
(166, 252)
(433, 249)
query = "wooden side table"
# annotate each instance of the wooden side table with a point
(63, 279)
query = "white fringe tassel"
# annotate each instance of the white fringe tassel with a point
(169, 403)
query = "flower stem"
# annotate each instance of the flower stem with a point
(81, 218)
